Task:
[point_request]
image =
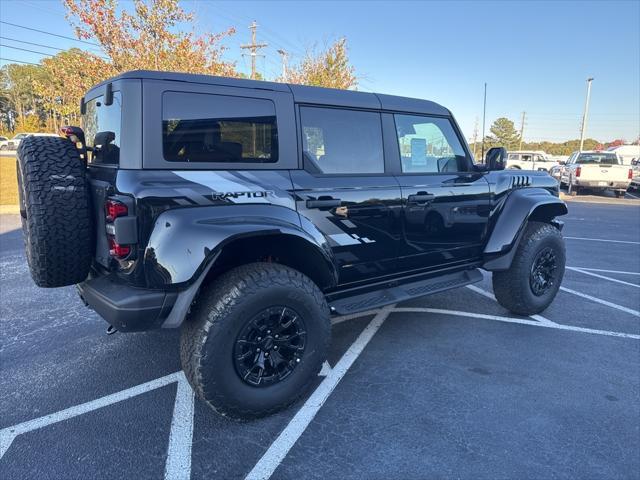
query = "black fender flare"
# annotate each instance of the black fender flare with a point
(512, 215)
(185, 242)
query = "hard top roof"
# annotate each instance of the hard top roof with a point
(301, 93)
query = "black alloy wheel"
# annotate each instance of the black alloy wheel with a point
(270, 346)
(543, 271)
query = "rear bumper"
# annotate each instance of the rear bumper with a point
(597, 184)
(126, 308)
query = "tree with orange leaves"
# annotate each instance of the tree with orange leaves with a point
(146, 37)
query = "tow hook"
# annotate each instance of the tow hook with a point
(111, 330)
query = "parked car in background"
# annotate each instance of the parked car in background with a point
(597, 171)
(556, 172)
(13, 143)
(529, 160)
(626, 153)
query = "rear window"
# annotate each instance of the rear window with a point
(101, 124)
(200, 127)
(605, 158)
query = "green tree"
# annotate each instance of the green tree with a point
(329, 68)
(20, 99)
(504, 135)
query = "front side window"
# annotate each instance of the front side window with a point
(200, 127)
(429, 145)
(342, 141)
(101, 124)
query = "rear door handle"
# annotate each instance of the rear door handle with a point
(324, 203)
(421, 198)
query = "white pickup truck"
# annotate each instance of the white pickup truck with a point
(597, 171)
(529, 160)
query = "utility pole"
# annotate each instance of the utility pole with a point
(586, 113)
(484, 117)
(285, 57)
(522, 129)
(253, 48)
(475, 137)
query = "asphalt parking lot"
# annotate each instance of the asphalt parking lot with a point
(447, 386)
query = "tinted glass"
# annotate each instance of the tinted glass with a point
(429, 145)
(217, 128)
(602, 157)
(101, 124)
(342, 141)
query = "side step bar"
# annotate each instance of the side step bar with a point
(399, 293)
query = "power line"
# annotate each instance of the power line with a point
(18, 61)
(26, 50)
(30, 43)
(44, 46)
(49, 33)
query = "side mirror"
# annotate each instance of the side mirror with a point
(562, 162)
(496, 158)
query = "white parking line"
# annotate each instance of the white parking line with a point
(633, 312)
(602, 276)
(298, 424)
(178, 464)
(602, 240)
(521, 321)
(481, 291)
(622, 272)
(351, 316)
(8, 434)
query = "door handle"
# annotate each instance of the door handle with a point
(421, 198)
(324, 203)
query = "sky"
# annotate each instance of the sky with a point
(534, 56)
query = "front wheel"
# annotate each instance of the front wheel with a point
(533, 280)
(256, 340)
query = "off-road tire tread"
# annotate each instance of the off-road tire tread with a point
(506, 287)
(57, 226)
(212, 308)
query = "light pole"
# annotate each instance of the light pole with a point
(586, 112)
(484, 117)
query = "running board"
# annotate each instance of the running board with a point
(399, 293)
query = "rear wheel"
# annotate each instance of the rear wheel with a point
(55, 210)
(256, 340)
(572, 189)
(533, 280)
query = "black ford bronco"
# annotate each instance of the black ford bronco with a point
(247, 213)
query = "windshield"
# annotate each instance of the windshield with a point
(601, 157)
(101, 124)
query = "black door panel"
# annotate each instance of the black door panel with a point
(445, 219)
(359, 216)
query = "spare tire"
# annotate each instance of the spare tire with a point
(55, 206)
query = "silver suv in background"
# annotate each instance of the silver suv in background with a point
(529, 160)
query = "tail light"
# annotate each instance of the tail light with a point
(114, 209)
(630, 174)
(578, 171)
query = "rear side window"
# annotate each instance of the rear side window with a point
(200, 127)
(101, 125)
(429, 145)
(342, 141)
